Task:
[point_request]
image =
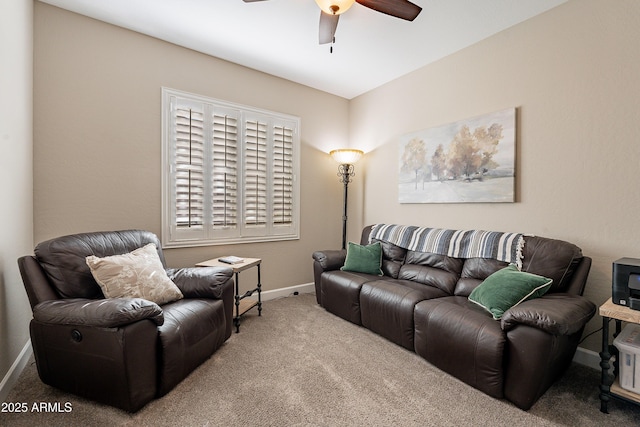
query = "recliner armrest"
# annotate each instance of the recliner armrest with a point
(330, 259)
(104, 313)
(557, 314)
(201, 282)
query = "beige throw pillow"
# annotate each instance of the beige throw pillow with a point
(137, 274)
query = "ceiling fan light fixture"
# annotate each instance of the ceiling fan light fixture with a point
(335, 7)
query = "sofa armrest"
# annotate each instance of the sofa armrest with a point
(330, 259)
(201, 282)
(557, 314)
(103, 313)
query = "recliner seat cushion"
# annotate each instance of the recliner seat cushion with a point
(341, 293)
(387, 308)
(463, 340)
(192, 331)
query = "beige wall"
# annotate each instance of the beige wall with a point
(16, 143)
(573, 74)
(97, 142)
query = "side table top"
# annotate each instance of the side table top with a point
(247, 263)
(620, 312)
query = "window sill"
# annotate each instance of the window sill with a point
(230, 241)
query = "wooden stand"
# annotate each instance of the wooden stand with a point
(242, 305)
(610, 385)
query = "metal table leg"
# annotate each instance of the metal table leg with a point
(606, 380)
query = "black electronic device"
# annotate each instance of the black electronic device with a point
(626, 282)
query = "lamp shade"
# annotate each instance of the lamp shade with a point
(335, 7)
(346, 156)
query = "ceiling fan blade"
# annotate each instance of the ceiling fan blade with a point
(328, 25)
(402, 9)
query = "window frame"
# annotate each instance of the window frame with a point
(172, 234)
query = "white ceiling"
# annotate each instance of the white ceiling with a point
(280, 37)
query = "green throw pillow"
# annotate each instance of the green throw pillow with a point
(364, 259)
(507, 288)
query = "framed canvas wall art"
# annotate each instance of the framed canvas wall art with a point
(468, 161)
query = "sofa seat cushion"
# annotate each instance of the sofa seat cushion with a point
(193, 329)
(341, 293)
(387, 308)
(463, 340)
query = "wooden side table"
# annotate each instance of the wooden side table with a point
(242, 305)
(610, 385)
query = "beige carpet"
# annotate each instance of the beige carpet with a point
(299, 365)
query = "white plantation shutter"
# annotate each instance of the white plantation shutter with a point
(283, 177)
(189, 166)
(229, 172)
(225, 161)
(255, 175)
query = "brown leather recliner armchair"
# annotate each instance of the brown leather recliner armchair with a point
(123, 352)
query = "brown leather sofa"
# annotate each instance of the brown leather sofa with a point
(421, 303)
(123, 352)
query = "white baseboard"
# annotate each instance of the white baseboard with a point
(15, 370)
(306, 288)
(587, 357)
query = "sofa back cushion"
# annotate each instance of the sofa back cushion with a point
(474, 271)
(435, 270)
(392, 258)
(555, 259)
(64, 258)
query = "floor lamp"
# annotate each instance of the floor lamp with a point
(345, 157)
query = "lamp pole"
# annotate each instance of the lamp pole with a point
(345, 172)
(345, 157)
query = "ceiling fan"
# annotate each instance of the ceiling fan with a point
(332, 9)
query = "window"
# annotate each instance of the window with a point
(229, 172)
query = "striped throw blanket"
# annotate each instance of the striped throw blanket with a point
(506, 247)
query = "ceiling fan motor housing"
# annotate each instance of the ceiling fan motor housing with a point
(331, 9)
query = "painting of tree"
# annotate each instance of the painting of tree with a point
(414, 157)
(439, 163)
(472, 160)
